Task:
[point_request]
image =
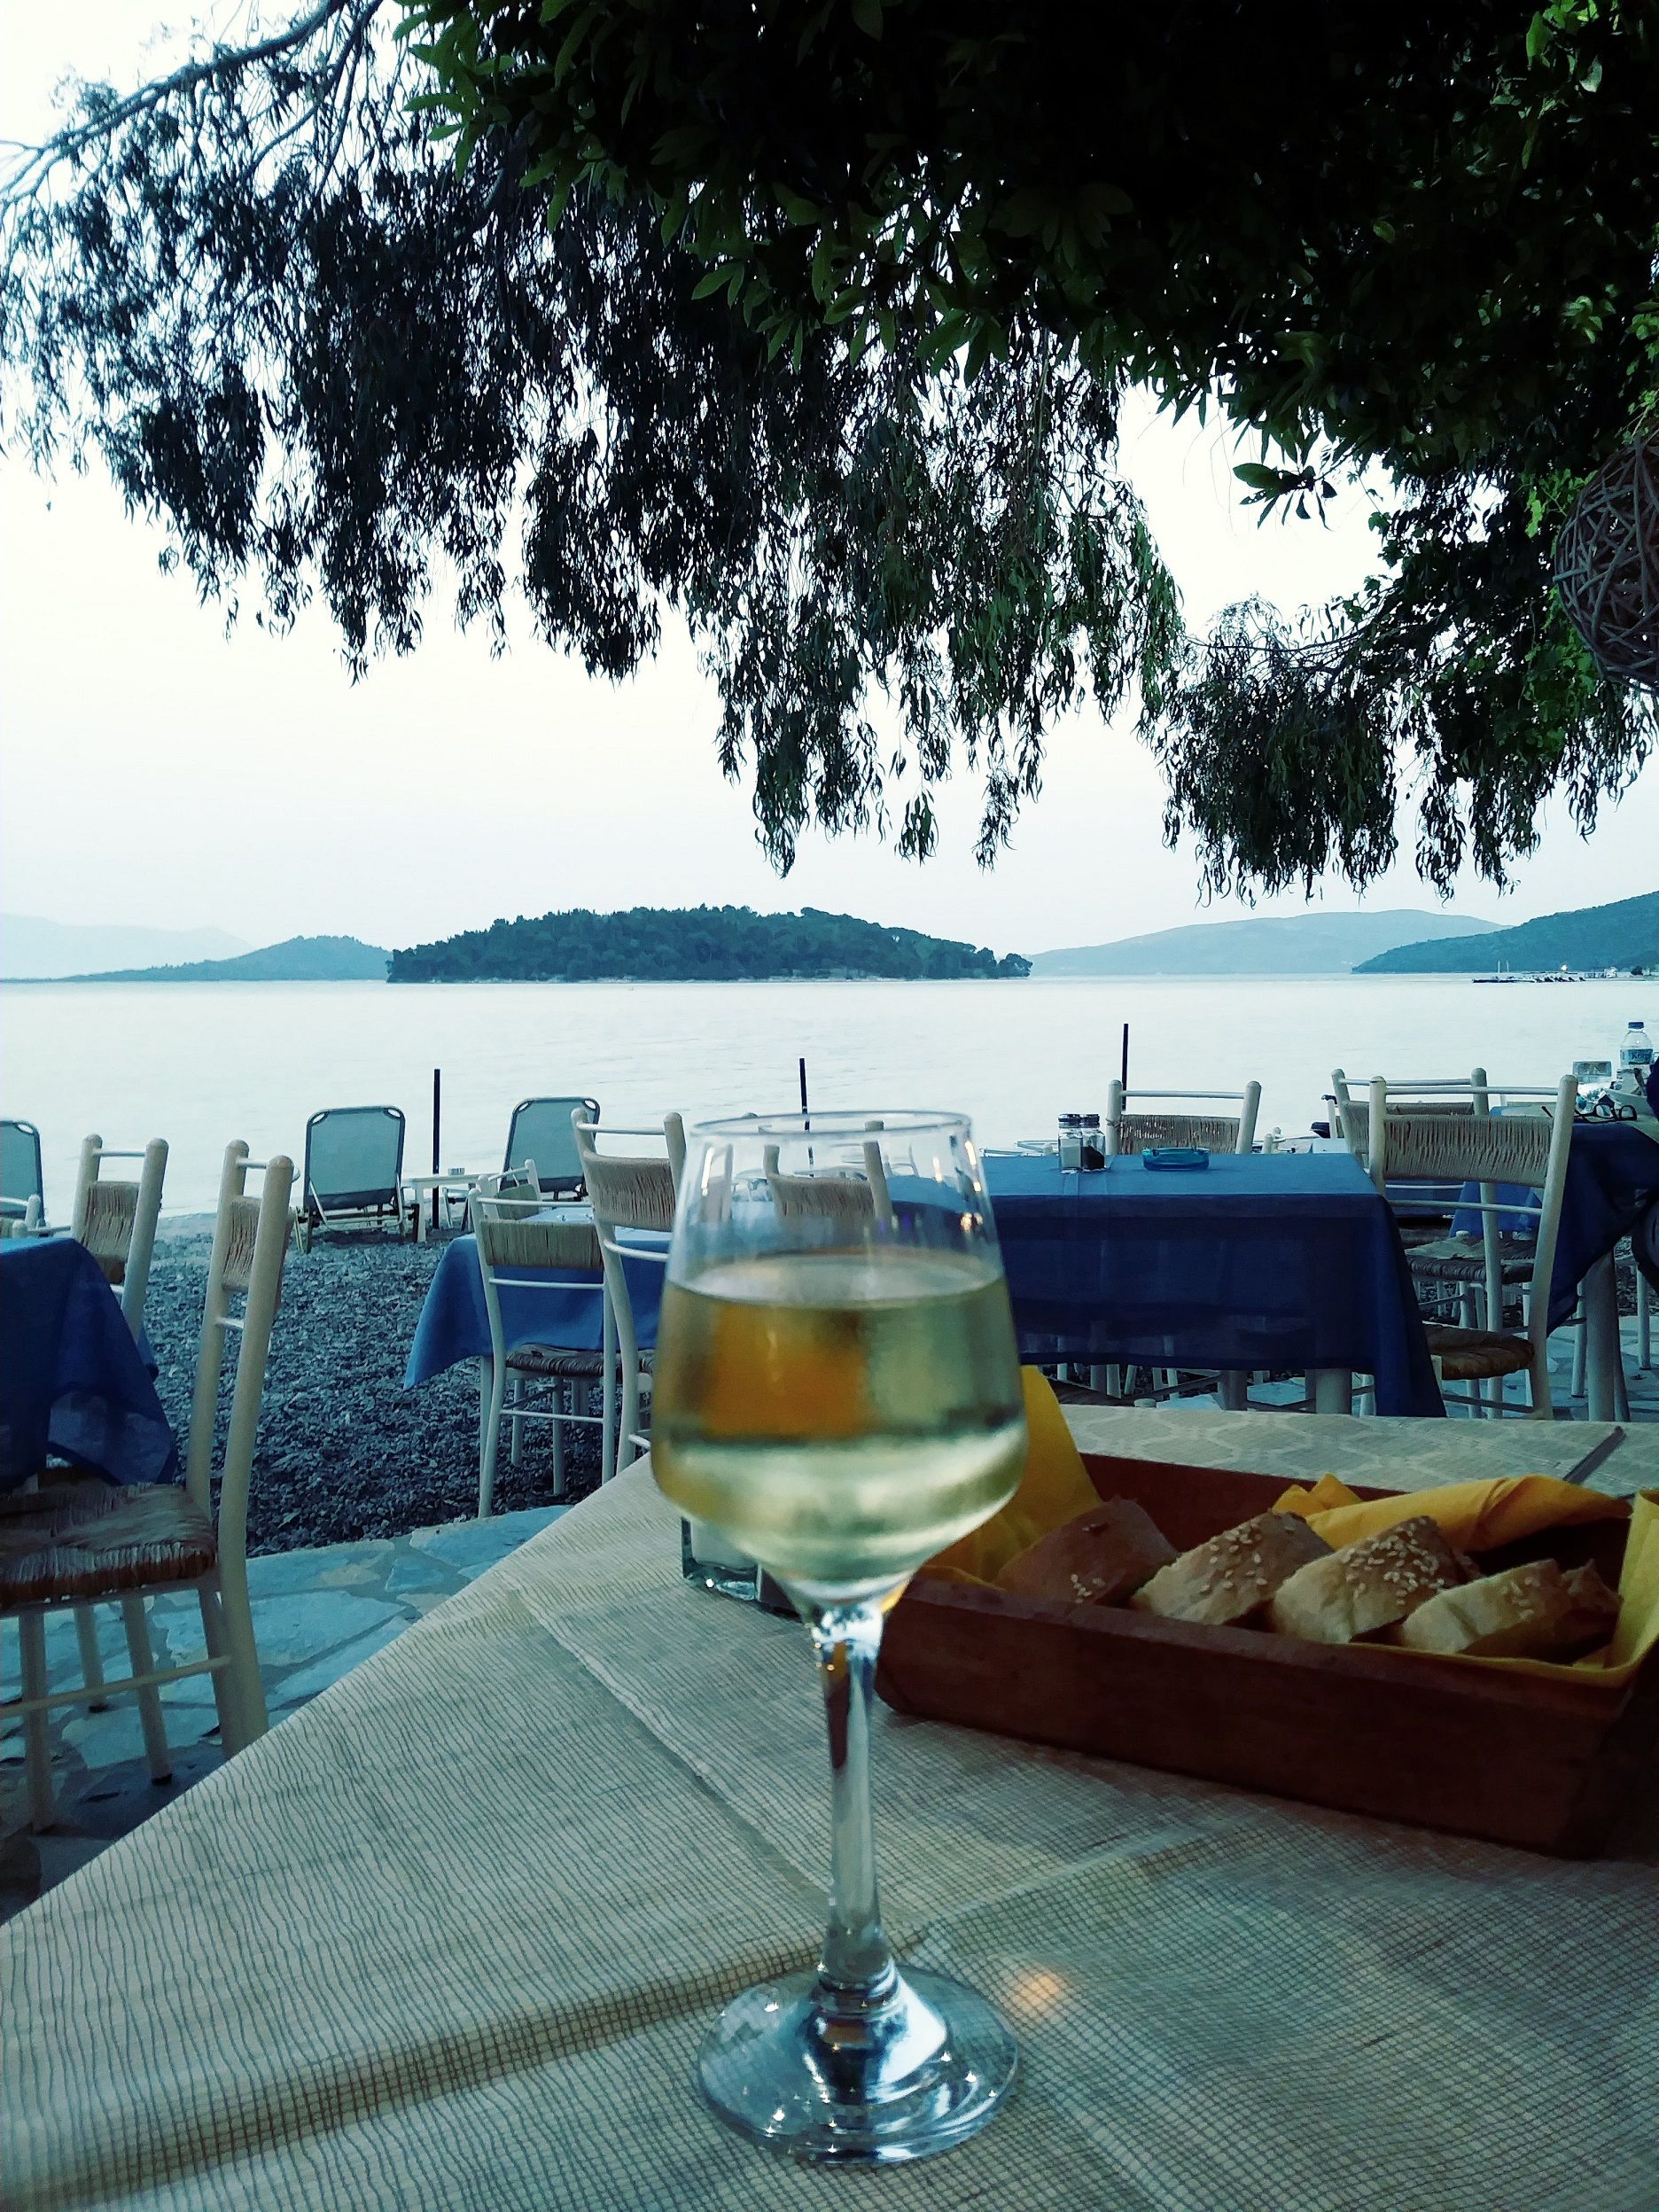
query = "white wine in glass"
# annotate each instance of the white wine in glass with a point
(837, 1391)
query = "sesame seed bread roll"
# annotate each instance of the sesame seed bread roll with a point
(1369, 1586)
(1530, 1612)
(1100, 1558)
(1222, 1584)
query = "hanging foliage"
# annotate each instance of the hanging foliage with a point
(810, 327)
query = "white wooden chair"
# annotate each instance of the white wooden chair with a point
(832, 1193)
(78, 1540)
(630, 1191)
(1130, 1126)
(1526, 1148)
(520, 1253)
(116, 1219)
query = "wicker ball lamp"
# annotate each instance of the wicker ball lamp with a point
(1607, 564)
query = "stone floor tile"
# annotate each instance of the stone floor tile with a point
(415, 1572)
(305, 1682)
(331, 1566)
(117, 1800)
(291, 1630)
(469, 1547)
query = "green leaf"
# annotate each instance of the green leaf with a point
(868, 15)
(1263, 479)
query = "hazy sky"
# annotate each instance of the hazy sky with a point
(156, 771)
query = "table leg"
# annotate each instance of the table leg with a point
(1234, 1390)
(420, 1218)
(1331, 1389)
(1601, 1341)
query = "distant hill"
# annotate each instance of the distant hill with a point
(297, 960)
(32, 946)
(1259, 945)
(691, 945)
(1623, 935)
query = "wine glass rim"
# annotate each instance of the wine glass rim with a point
(836, 1122)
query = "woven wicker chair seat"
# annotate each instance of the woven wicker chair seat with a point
(89, 1539)
(1474, 1355)
(1459, 1259)
(554, 1361)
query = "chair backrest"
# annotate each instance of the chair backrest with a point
(1521, 1146)
(502, 1207)
(541, 1131)
(834, 1195)
(1470, 1093)
(354, 1156)
(249, 1247)
(116, 1218)
(1131, 1127)
(20, 1168)
(631, 1190)
(1525, 1147)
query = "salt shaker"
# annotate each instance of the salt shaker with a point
(1071, 1141)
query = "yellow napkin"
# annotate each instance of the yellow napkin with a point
(1053, 1488)
(1475, 1517)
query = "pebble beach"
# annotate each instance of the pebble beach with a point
(345, 1452)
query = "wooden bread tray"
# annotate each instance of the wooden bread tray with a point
(1475, 1749)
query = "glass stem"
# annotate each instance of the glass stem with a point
(856, 1974)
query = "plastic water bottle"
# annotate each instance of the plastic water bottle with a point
(1636, 1059)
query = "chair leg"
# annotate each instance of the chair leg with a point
(557, 1427)
(91, 1658)
(492, 1446)
(244, 1670)
(1581, 1337)
(230, 1735)
(1644, 1321)
(36, 1728)
(627, 1449)
(516, 1390)
(150, 1716)
(607, 1426)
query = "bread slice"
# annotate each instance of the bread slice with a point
(1594, 1615)
(1100, 1558)
(1223, 1583)
(1530, 1612)
(1367, 1585)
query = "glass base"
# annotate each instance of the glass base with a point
(910, 2077)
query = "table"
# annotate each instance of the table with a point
(1277, 1260)
(1612, 1190)
(457, 1180)
(72, 1379)
(450, 1936)
(454, 1323)
(1381, 1454)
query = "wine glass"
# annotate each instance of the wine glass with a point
(837, 1390)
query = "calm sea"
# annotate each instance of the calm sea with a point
(199, 1064)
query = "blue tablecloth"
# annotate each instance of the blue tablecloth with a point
(1286, 1260)
(454, 1325)
(72, 1380)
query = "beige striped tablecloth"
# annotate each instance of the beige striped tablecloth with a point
(450, 1938)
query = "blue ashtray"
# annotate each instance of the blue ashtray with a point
(1175, 1156)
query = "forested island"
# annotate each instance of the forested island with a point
(694, 945)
